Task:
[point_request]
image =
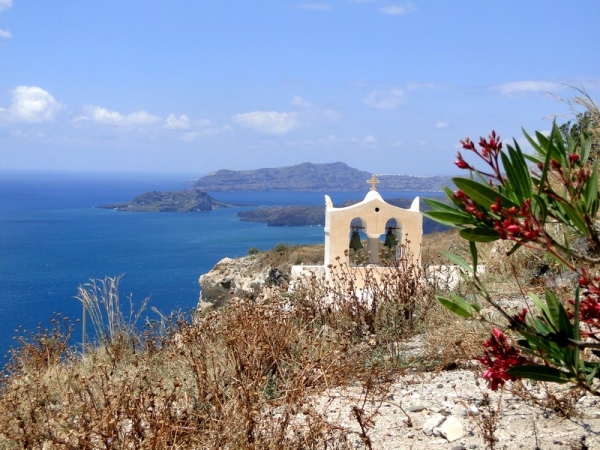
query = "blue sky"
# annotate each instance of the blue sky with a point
(197, 86)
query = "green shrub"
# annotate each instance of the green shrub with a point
(551, 208)
(282, 247)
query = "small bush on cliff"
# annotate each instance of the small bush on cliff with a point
(550, 208)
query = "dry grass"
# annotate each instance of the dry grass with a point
(249, 375)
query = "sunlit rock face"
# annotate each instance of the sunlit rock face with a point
(240, 277)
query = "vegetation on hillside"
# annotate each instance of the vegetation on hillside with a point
(250, 375)
(546, 202)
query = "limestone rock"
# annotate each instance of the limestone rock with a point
(432, 423)
(452, 429)
(240, 277)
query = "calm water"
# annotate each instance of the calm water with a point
(52, 240)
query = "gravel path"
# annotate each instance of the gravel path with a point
(447, 410)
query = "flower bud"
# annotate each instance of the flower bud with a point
(583, 281)
(513, 229)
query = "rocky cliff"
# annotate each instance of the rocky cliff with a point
(248, 275)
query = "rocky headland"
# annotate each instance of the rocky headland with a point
(246, 277)
(189, 200)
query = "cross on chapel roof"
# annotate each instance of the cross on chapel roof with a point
(373, 181)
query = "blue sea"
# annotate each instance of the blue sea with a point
(54, 239)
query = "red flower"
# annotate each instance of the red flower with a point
(468, 144)
(499, 357)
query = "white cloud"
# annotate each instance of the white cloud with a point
(4, 5)
(269, 122)
(190, 136)
(204, 123)
(385, 100)
(31, 104)
(442, 124)
(107, 117)
(314, 6)
(397, 10)
(370, 140)
(527, 86)
(428, 86)
(208, 129)
(177, 123)
(299, 101)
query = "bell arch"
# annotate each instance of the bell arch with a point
(376, 217)
(391, 240)
(356, 242)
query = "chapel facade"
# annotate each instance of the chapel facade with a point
(372, 219)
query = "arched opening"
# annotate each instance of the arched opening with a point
(390, 241)
(357, 246)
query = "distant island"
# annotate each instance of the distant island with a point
(309, 177)
(189, 200)
(305, 177)
(278, 216)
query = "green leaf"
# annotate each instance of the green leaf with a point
(479, 234)
(473, 248)
(591, 192)
(511, 174)
(436, 205)
(458, 261)
(522, 170)
(453, 219)
(540, 373)
(517, 172)
(539, 304)
(513, 249)
(481, 193)
(541, 326)
(558, 315)
(586, 146)
(576, 331)
(577, 366)
(574, 217)
(545, 154)
(459, 309)
(546, 348)
(540, 207)
(591, 369)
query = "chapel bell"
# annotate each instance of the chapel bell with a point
(355, 242)
(390, 239)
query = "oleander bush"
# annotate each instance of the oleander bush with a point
(547, 204)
